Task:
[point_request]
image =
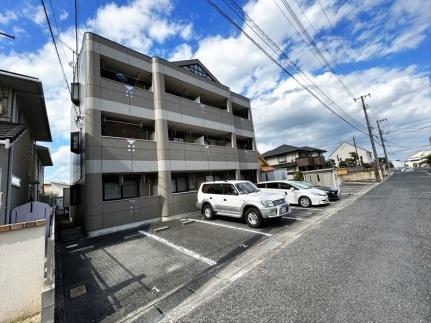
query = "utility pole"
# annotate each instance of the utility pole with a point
(370, 133)
(356, 149)
(383, 142)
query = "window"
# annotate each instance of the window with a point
(179, 184)
(285, 186)
(272, 185)
(130, 187)
(117, 187)
(261, 185)
(282, 158)
(111, 188)
(228, 189)
(215, 189)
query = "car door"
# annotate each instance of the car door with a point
(291, 196)
(231, 202)
(272, 187)
(216, 197)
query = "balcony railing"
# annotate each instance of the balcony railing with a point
(310, 161)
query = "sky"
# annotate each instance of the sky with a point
(370, 46)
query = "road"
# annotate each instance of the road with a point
(368, 262)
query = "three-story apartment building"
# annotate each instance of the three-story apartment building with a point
(151, 132)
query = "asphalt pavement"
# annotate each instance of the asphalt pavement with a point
(370, 261)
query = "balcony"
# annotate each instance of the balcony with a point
(310, 161)
(243, 124)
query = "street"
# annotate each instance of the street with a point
(370, 261)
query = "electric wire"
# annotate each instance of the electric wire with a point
(349, 59)
(314, 46)
(55, 45)
(329, 65)
(239, 28)
(301, 36)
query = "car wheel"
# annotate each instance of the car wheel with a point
(304, 201)
(253, 218)
(208, 212)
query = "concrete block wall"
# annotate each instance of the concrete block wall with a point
(22, 254)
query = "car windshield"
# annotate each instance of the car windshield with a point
(246, 187)
(303, 185)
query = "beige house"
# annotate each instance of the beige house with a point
(292, 158)
(152, 131)
(344, 151)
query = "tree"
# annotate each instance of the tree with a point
(350, 162)
(330, 163)
(355, 157)
(428, 160)
(298, 176)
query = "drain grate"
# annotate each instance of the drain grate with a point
(78, 291)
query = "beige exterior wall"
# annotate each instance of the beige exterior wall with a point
(22, 254)
(344, 150)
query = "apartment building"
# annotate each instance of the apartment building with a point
(292, 158)
(151, 132)
(23, 121)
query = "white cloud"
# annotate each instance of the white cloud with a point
(7, 17)
(64, 15)
(60, 171)
(140, 23)
(34, 13)
(181, 52)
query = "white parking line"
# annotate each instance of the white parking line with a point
(292, 218)
(234, 228)
(179, 248)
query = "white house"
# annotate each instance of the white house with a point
(344, 151)
(54, 188)
(418, 159)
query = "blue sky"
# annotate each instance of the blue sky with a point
(388, 44)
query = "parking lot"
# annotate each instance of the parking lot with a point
(106, 278)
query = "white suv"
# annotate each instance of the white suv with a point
(240, 199)
(296, 192)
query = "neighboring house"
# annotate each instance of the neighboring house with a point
(54, 188)
(152, 132)
(344, 151)
(418, 159)
(23, 121)
(292, 158)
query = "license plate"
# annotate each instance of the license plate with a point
(283, 209)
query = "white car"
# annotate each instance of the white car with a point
(240, 199)
(296, 192)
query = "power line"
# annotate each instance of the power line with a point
(55, 45)
(281, 54)
(327, 50)
(349, 58)
(314, 46)
(239, 28)
(7, 35)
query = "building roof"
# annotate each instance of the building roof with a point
(44, 155)
(29, 92)
(196, 67)
(284, 149)
(11, 131)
